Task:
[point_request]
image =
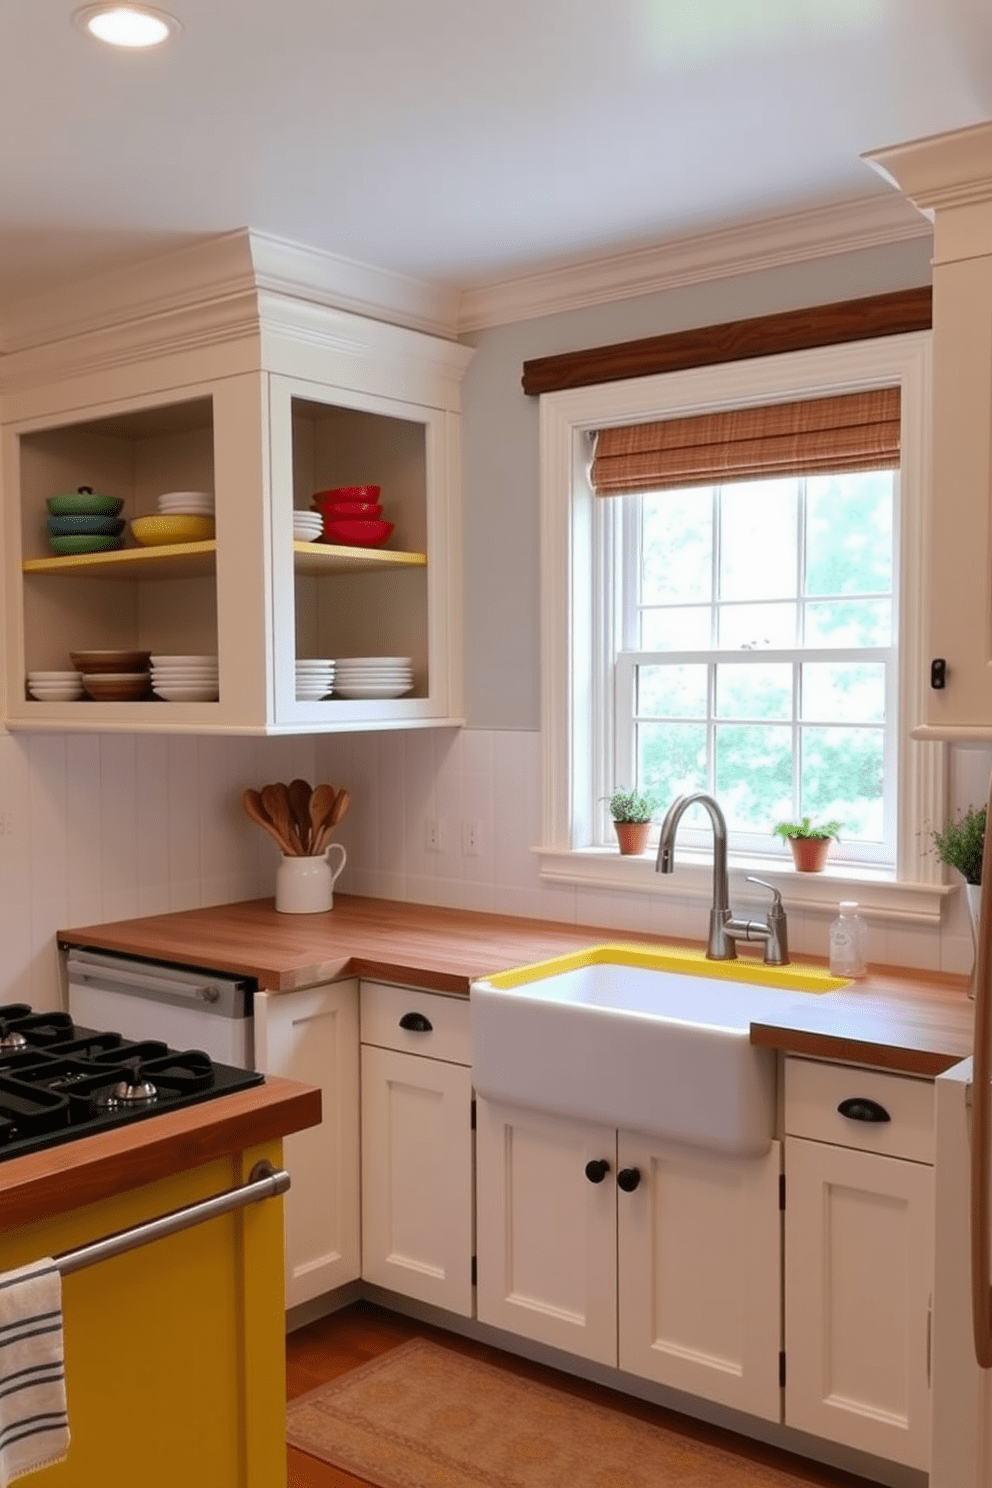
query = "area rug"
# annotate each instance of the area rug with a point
(423, 1416)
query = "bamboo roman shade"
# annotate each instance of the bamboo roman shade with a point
(851, 431)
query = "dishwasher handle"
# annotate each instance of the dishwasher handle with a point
(139, 979)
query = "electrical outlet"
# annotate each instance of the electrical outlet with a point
(435, 836)
(471, 839)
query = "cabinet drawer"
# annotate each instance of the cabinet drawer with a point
(814, 1091)
(448, 1037)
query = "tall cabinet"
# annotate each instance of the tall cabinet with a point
(262, 398)
(949, 178)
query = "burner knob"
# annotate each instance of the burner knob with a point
(135, 1090)
(10, 1038)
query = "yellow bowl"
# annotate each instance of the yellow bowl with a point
(154, 531)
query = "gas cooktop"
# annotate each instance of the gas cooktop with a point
(59, 1081)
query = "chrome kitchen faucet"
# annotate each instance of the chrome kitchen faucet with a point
(725, 928)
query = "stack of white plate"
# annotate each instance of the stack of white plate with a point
(55, 687)
(186, 504)
(373, 676)
(185, 679)
(307, 525)
(314, 679)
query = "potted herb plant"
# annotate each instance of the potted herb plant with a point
(810, 843)
(632, 812)
(961, 845)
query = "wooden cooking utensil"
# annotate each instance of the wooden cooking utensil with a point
(275, 799)
(321, 805)
(300, 792)
(251, 800)
(337, 810)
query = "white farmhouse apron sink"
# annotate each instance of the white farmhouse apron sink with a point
(657, 1043)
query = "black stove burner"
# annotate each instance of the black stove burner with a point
(59, 1081)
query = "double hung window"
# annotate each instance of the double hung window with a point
(739, 606)
(757, 654)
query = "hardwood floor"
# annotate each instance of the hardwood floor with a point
(361, 1332)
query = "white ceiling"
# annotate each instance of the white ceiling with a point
(464, 142)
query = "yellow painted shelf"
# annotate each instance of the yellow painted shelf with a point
(170, 561)
(314, 559)
(197, 560)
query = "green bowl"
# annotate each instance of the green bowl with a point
(86, 526)
(80, 543)
(84, 503)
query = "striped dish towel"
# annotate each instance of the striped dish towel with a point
(34, 1425)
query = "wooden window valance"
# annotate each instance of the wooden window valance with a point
(850, 431)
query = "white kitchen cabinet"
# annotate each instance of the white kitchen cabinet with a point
(947, 177)
(417, 1145)
(859, 1259)
(312, 1036)
(661, 1259)
(290, 399)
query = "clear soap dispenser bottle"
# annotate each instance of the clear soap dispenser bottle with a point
(848, 942)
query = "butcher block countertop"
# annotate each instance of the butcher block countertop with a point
(42, 1185)
(915, 1022)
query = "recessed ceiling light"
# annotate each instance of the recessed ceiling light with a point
(127, 25)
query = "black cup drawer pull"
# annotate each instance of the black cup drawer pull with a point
(862, 1108)
(416, 1023)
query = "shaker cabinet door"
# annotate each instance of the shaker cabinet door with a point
(312, 1036)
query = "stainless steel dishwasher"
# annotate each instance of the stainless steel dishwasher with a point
(186, 1008)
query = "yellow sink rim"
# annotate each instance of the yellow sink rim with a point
(683, 959)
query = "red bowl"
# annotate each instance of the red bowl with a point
(347, 493)
(352, 532)
(370, 510)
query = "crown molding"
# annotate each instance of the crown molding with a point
(942, 170)
(821, 232)
(213, 269)
(230, 265)
(177, 331)
(320, 278)
(221, 267)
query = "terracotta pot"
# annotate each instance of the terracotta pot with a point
(809, 854)
(632, 837)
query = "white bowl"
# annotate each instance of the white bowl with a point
(198, 496)
(383, 691)
(403, 661)
(185, 693)
(54, 694)
(72, 676)
(181, 660)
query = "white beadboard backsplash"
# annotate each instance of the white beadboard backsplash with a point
(105, 827)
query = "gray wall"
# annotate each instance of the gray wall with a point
(501, 455)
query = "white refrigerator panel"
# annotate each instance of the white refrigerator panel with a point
(962, 1392)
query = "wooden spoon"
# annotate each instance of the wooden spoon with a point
(321, 805)
(251, 800)
(340, 806)
(300, 792)
(275, 800)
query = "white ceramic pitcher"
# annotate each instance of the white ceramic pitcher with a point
(306, 885)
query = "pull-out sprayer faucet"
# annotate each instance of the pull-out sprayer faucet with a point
(725, 929)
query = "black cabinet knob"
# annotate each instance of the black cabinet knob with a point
(416, 1023)
(628, 1179)
(597, 1169)
(863, 1108)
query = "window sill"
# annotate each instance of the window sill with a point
(880, 896)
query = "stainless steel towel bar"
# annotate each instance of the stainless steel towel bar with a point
(264, 1182)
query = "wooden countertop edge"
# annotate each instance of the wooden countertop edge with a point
(898, 1058)
(43, 1184)
(920, 1023)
